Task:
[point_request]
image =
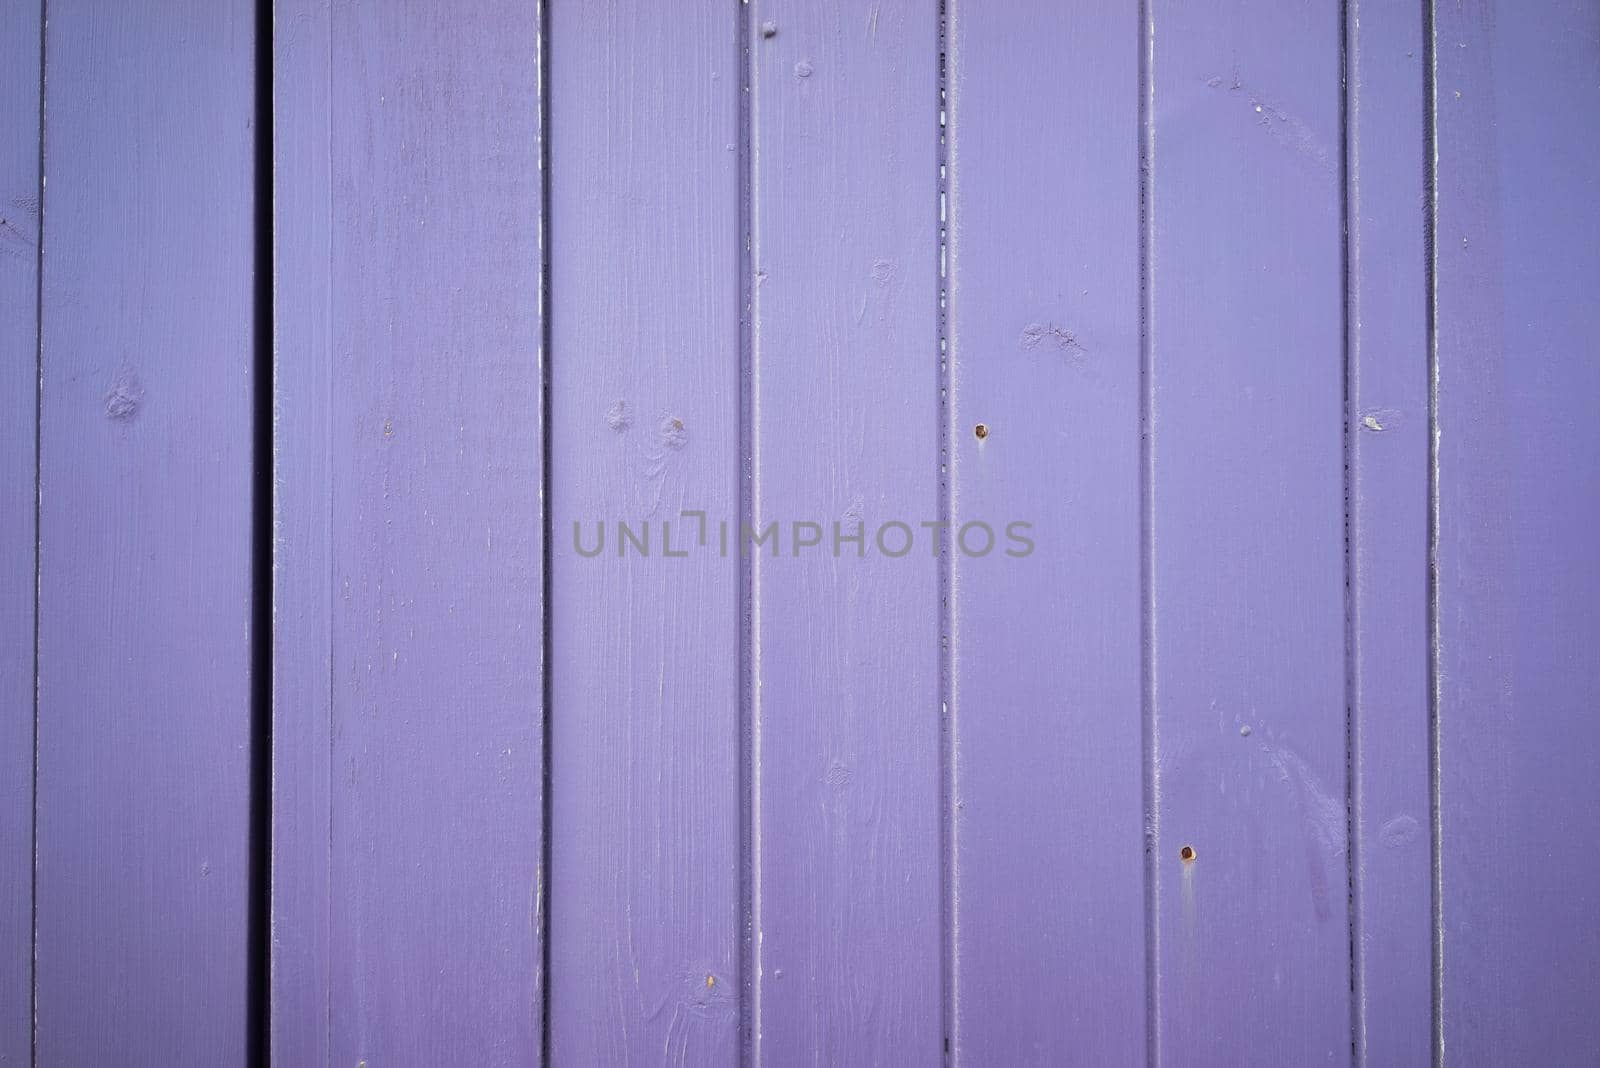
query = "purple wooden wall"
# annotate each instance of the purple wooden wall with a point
(334, 334)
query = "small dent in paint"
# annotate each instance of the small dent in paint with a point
(618, 418)
(885, 271)
(1244, 731)
(673, 433)
(802, 69)
(124, 398)
(769, 29)
(1323, 815)
(12, 240)
(1398, 832)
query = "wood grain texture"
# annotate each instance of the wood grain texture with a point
(19, 392)
(1517, 239)
(644, 275)
(845, 427)
(302, 573)
(1247, 598)
(420, 358)
(1046, 649)
(145, 533)
(1387, 434)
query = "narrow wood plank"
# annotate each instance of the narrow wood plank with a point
(1388, 451)
(1046, 649)
(19, 340)
(1517, 236)
(302, 572)
(432, 501)
(1246, 541)
(644, 261)
(847, 872)
(145, 531)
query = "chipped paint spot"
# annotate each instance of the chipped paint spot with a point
(1378, 420)
(124, 398)
(1036, 334)
(1290, 131)
(618, 417)
(673, 433)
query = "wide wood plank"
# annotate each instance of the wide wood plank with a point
(1246, 538)
(1387, 434)
(1517, 239)
(1048, 897)
(845, 429)
(19, 394)
(645, 295)
(145, 609)
(409, 422)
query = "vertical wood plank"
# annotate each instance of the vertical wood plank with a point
(1388, 450)
(302, 574)
(1246, 493)
(421, 359)
(1046, 661)
(19, 340)
(845, 367)
(145, 532)
(1517, 242)
(644, 261)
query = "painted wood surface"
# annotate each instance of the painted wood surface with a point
(844, 425)
(1045, 650)
(416, 346)
(1517, 243)
(146, 449)
(645, 398)
(1386, 427)
(19, 393)
(1278, 321)
(1246, 590)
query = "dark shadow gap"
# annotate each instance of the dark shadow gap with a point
(947, 785)
(748, 831)
(547, 622)
(1430, 185)
(1348, 372)
(1152, 927)
(259, 918)
(38, 542)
